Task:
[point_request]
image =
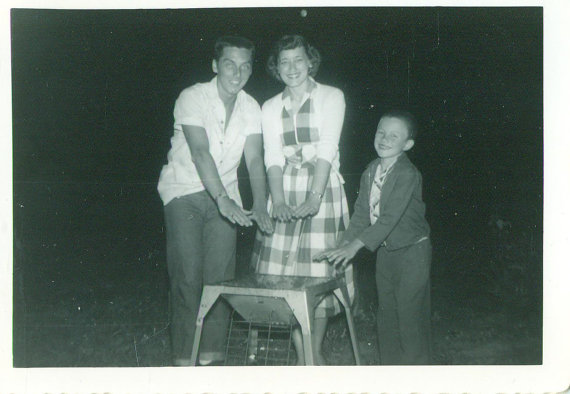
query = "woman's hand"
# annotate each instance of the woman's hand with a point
(233, 212)
(282, 212)
(309, 207)
(264, 222)
(340, 257)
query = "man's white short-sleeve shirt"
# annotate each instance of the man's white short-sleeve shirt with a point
(200, 105)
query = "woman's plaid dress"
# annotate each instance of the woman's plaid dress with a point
(290, 249)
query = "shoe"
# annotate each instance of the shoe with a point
(213, 363)
(182, 362)
(210, 359)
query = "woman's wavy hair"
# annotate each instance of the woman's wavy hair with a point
(292, 42)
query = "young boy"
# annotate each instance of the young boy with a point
(389, 217)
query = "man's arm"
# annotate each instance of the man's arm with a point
(254, 162)
(197, 140)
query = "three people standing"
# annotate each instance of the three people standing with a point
(301, 224)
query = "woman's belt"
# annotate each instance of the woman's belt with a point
(305, 156)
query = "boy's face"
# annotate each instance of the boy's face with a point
(392, 138)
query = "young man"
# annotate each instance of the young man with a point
(215, 123)
(389, 218)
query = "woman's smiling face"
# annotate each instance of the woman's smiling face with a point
(293, 66)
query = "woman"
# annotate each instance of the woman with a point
(301, 131)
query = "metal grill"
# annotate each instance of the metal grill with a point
(259, 343)
(266, 307)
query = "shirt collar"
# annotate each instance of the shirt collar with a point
(214, 94)
(311, 86)
(401, 158)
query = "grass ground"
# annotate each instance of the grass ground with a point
(91, 289)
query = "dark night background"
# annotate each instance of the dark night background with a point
(93, 93)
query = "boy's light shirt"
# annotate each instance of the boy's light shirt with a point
(376, 190)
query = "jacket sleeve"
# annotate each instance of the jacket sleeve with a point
(361, 217)
(392, 209)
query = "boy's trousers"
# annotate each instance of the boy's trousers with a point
(403, 319)
(200, 250)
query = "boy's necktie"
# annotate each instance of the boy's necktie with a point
(376, 192)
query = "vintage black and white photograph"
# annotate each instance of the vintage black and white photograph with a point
(277, 186)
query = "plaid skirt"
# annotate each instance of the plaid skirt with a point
(291, 247)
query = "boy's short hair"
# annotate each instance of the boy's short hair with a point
(291, 42)
(405, 116)
(232, 41)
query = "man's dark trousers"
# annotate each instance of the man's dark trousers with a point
(403, 319)
(201, 248)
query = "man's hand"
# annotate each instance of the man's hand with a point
(264, 222)
(340, 257)
(233, 212)
(309, 207)
(282, 212)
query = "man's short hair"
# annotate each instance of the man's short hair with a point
(232, 41)
(405, 116)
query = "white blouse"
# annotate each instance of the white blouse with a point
(329, 107)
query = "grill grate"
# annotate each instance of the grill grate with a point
(259, 343)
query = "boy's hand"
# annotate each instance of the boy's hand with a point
(340, 257)
(260, 215)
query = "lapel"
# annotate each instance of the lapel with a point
(372, 171)
(226, 130)
(391, 179)
(234, 126)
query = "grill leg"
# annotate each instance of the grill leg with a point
(342, 294)
(209, 297)
(252, 345)
(303, 313)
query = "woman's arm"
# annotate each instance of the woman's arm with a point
(281, 211)
(332, 118)
(312, 204)
(274, 159)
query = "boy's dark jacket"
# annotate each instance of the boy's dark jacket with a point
(402, 210)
